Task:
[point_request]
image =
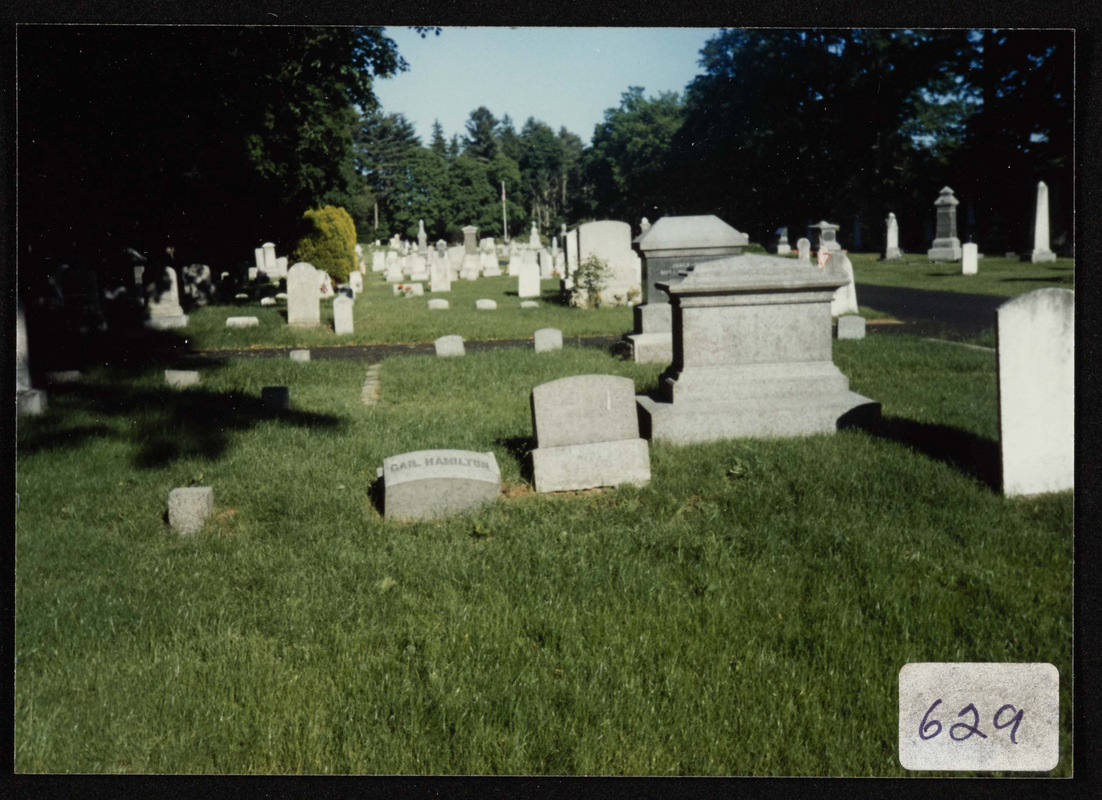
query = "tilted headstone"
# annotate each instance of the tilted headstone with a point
(969, 258)
(892, 252)
(732, 375)
(342, 315)
(803, 251)
(162, 301)
(189, 507)
(587, 434)
(845, 298)
(429, 484)
(547, 339)
(946, 246)
(1036, 357)
(303, 304)
(449, 346)
(1041, 252)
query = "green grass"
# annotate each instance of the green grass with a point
(380, 317)
(996, 275)
(746, 613)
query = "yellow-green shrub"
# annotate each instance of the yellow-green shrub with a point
(328, 241)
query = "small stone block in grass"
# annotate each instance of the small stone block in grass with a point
(438, 305)
(179, 378)
(851, 326)
(300, 355)
(530, 304)
(485, 305)
(450, 346)
(267, 301)
(242, 322)
(547, 339)
(189, 508)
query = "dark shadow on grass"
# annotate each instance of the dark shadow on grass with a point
(972, 454)
(1069, 278)
(520, 448)
(376, 495)
(167, 424)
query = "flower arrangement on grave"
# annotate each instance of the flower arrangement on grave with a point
(404, 289)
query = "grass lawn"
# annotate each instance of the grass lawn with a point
(746, 613)
(996, 275)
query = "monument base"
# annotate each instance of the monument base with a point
(651, 348)
(30, 401)
(163, 323)
(585, 466)
(1042, 256)
(945, 250)
(772, 417)
(893, 254)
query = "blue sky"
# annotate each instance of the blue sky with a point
(562, 76)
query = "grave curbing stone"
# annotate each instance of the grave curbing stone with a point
(189, 508)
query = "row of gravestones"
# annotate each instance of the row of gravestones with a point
(946, 245)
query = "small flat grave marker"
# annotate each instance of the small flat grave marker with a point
(300, 355)
(547, 339)
(438, 304)
(189, 507)
(450, 346)
(179, 378)
(242, 322)
(485, 305)
(851, 326)
(429, 484)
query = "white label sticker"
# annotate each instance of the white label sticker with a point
(979, 717)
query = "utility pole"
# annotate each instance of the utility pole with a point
(504, 214)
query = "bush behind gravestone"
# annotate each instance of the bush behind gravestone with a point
(590, 278)
(328, 241)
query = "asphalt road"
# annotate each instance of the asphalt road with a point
(950, 315)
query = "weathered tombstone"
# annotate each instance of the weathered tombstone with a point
(280, 267)
(946, 246)
(547, 339)
(1041, 252)
(378, 261)
(28, 400)
(393, 268)
(969, 258)
(356, 282)
(278, 397)
(528, 281)
(892, 253)
(803, 251)
(1036, 366)
(301, 355)
(258, 255)
(415, 289)
(669, 246)
(471, 265)
(828, 236)
(851, 326)
(783, 247)
(438, 304)
(269, 258)
(163, 303)
(422, 239)
(189, 507)
(440, 275)
(418, 268)
(485, 305)
(254, 274)
(242, 322)
(845, 298)
(429, 484)
(181, 378)
(732, 375)
(530, 304)
(534, 238)
(449, 346)
(571, 252)
(342, 315)
(489, 264)
(303, 304)
(587, 434)
(546, 265)
(610, 241)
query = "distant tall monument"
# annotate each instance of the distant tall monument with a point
(1041, 252)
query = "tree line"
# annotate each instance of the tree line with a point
(202, 140)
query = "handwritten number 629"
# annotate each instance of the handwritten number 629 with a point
(929, 728)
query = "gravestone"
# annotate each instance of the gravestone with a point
(258, 255)
(471, 265)
(303, 303)
(946, 246)
(528, 282)
(378, 261)
(1041, 252)
(438, 305)
(671, 245)
(530, 304)
(587, 434)
(546, 265)
(828, 236)
(489, 264)
(28, 400)
(752, 355)
(803, 251)
(300, 355)
(356, 283)
(547, 339)
(610, 241)
(1036, 367)
(242, 322)
(485, 305)
(281, 267)
(393, 268)
(513, 267)
(449, 346)
(269, 258)
(892, 253)
(783, 248)
(430, 484)
(644, 225)
(422, 239)
(571, 239)
(162, 302)
(440, 275)
(278, 397)
(851, 326)
(969, 259)
(180, 378)
(342, 315)
(845, 298)
(189, 507)
(534, 238)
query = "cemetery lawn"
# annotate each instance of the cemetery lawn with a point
(746, 613)
(1003, 277)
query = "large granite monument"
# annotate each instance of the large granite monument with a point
(946, 246)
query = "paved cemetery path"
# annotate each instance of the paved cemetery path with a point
(931, 313)
(372, 353)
